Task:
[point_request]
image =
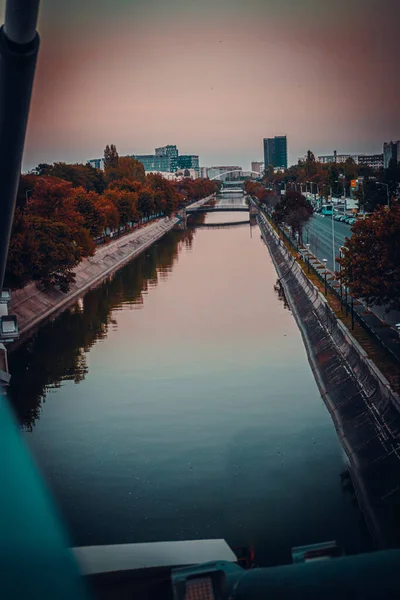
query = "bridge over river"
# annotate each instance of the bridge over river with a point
(219, 208)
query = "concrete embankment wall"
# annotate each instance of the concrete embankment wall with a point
(32, 305)
(364, 408)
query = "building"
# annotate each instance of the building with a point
(97, 163)
(204, 172)
(172, 153)
(257, 166)
(227, 173)
(375, 161)
(391, 150)
(189, 161)
(275, 152)
(336, 158)
(166, 159)
(152, 162)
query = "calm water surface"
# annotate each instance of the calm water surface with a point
(176, 402)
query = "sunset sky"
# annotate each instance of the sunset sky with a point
(214, 77)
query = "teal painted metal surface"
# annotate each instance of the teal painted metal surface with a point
(34, 555)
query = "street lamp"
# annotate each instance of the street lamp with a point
(308, 257)
(387, 191)
(324, 260)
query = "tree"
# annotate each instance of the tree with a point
(370, 195)
(79, 175)
(25, 189)
(42, 250)
(54, 199)
(293, 209)
(370, 265)
(166, 196)
(127, 168)
(87, 204)
(146, 202)
(110, 157)
(126, 204)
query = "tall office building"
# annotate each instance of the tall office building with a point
(188, 161)
(172, 153)
(275, 152)
(391, 150)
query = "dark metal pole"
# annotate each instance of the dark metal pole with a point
(325, 285)
(352, 313)
(19, 46)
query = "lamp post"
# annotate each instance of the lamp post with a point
(308, 257)
(324, 260)
(387, 191)
(333, 232)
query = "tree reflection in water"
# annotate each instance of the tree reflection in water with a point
(57, 352)
(281, 294)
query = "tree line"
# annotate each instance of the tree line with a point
(337, 177)
(370, 261)
(63, 210)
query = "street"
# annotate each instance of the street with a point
(318, 233)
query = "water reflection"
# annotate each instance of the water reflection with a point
(280, 292)
(58, 351)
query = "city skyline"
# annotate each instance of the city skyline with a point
(140, 75)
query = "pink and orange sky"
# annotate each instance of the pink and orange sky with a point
(214, 77)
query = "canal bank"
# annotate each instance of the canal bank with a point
(176, 401)
(362, 405)
(33, 304)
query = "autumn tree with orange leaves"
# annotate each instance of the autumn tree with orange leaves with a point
(370, 265)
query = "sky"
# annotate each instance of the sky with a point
(214, 77)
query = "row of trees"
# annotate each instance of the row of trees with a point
(324, 177)
(62, 209)
(292, 208)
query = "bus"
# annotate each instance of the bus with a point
(327, 209)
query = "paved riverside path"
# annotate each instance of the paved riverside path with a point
(32, 304)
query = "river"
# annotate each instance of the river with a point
(175, 401)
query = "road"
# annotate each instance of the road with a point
(318, 233)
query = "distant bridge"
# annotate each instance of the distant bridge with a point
(226, 225)
(218, 208)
